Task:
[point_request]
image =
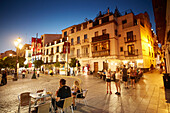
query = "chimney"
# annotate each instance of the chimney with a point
(108, 10)
(100, 13)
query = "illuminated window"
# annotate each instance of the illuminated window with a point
(131, 49)
(130, 36)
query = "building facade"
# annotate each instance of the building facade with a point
(112, 40)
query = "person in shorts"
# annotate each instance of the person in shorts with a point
(125, 76)
(132, 77)
(117, 81)
(108, 80)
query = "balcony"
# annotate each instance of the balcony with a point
(72, 43)
(85, 55)
(131, 54)
(85, 40)
(78, 42)
(101, 53)
(100, 38)
(51, 53)
(132, 39)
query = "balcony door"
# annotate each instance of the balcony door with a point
(131, 49)
(130, 36)
(95, 67)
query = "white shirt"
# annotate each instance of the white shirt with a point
(107, 75)
(38, 72)
(118, 75)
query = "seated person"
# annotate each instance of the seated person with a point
(63, 92)
(76, 89)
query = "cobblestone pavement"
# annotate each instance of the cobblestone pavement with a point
(148, 97)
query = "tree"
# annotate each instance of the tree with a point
(38, 63)
(10, 62)
(57, 64)
(73, 62)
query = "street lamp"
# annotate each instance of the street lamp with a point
(18, 46)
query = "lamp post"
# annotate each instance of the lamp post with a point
(18, 46)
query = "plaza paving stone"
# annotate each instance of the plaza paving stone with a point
(147, 97)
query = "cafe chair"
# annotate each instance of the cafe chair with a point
(67, 104)
(40, 91)
(24, 99)
(84, 94)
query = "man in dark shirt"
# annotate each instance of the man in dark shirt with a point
(63, 92)
(125, 76)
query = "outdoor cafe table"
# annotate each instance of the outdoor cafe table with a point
(38, 96)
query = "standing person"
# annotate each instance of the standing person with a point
(132, 77)
(161, 68)
(117, 81)
(38, 73)
(63, 92)
(4, 78)
(125, 76)
(108, 80)
(51, 72)
(23, 73)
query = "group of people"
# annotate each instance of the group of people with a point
(118, 76)
(65, 91)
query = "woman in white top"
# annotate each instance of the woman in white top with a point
(117, 81)
(108, 80)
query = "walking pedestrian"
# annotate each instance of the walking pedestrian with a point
(38, 73)
(117, 81)
(132, 77)
(125, 77)
(4, 78)
(51, 72)
(161, 68)
(108, 80)
(23, 73)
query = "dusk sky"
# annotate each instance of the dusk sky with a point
(25, 18)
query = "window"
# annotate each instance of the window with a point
(130, 36)
(72, 41)
(85, 26)
(95, 48)
(65, 33)
(29, 54)
(116, 32)
(72, 30)
(124, 21)
(57, 49)
(78, 52)
(119, 35)
(131, 49)
(96, 33)
(47, 52)
(104, 31)
(78, 40)
(46, 59)
(121, 49)
(85, 36)
(78, 27)
(51, 50)
(56, 58)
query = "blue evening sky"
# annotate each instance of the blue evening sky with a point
(25, 18)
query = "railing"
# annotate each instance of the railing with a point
(126, 25)
(131, 53)
(85, 40)
(85, 55)
(101, 53)
(72, 43)
(132, 39)
(78, 42)
(100, 38)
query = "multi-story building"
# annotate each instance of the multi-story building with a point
(53, 52)
(111, 40)
(161, 10)
(7, 53)
(28, 55)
